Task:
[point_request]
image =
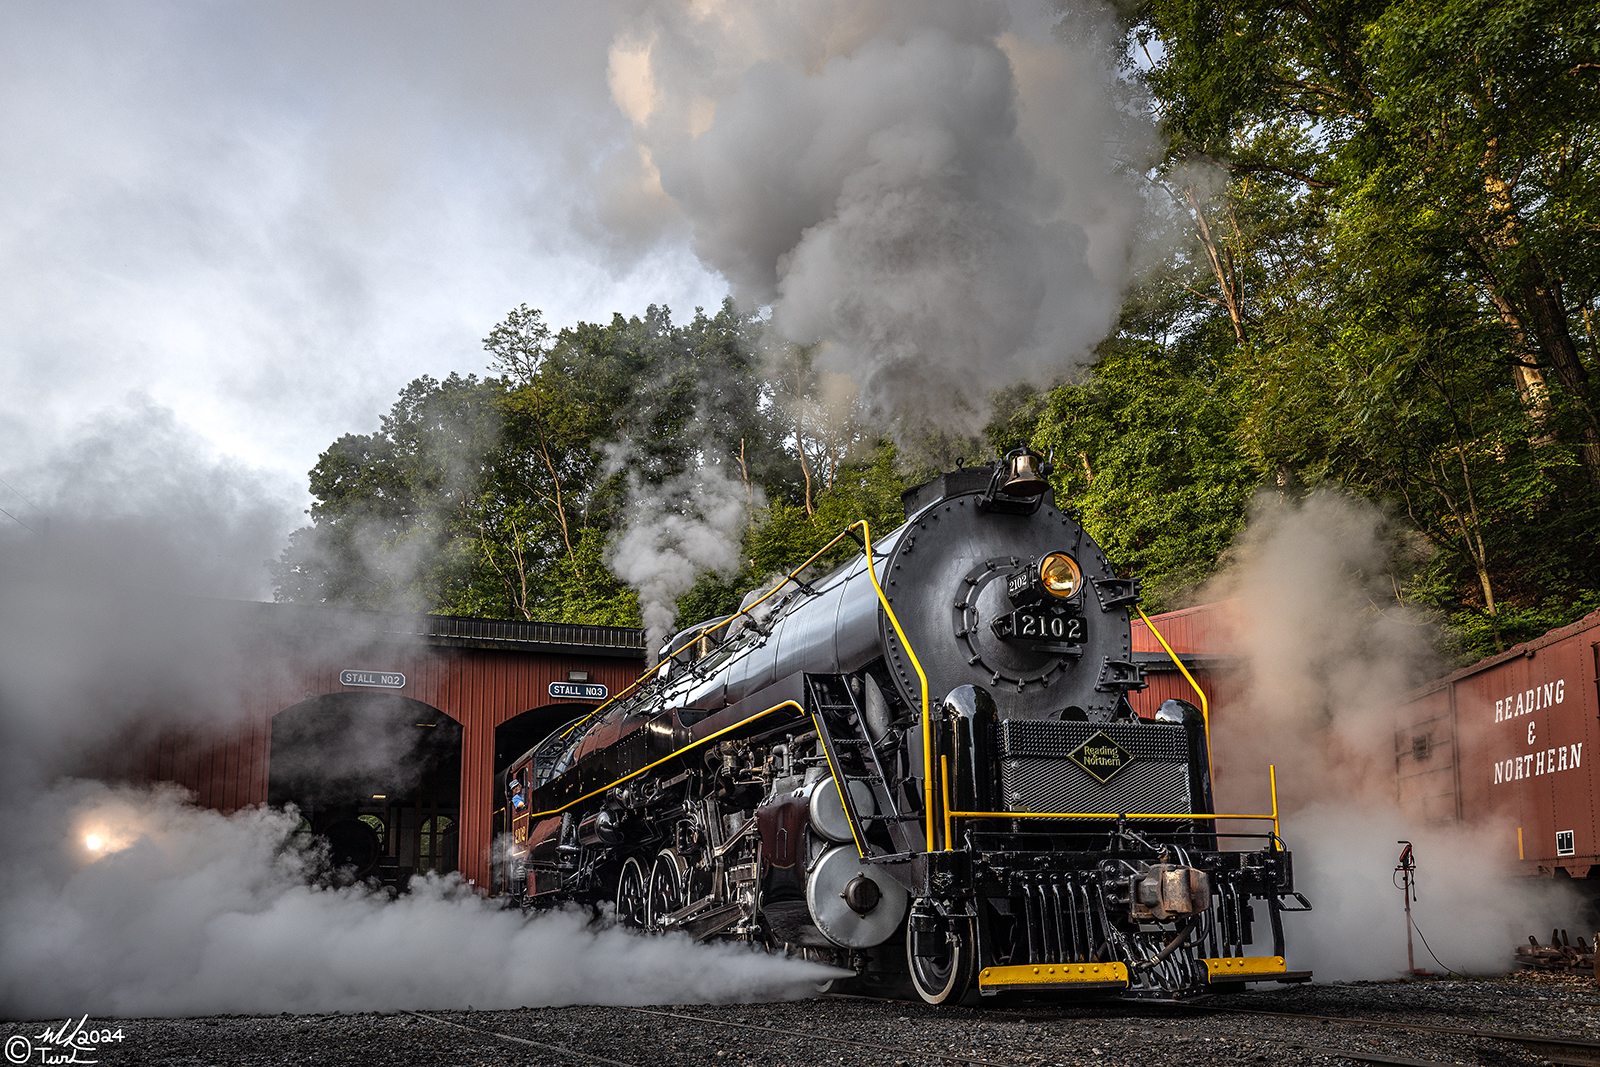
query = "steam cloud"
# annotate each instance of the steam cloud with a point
(937, 191)
(689, 524)
(177, 910)
(1330, 653)
(183, 910)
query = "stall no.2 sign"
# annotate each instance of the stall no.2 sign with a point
(379, 679)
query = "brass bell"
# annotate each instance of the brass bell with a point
(1024, 478)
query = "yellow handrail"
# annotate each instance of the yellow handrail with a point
(866, 544)
(1205, 705)
(673, 755)
(927, 725)
(1272, 775)
(1272, 772)
(637, 682)
(1101, 815)
(839, 784)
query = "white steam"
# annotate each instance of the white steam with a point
(687, 525)
(939, 191)
(1331, 652)
(180, 910)
(132, 901)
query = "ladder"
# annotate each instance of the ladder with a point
(852, 757)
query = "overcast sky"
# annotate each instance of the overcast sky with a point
(243, 227)
(230, 232)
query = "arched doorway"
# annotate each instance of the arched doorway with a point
(375, 774)
(512, 738)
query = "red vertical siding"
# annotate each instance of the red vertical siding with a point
(1207, 628)
(1507, 715)
(480, 689)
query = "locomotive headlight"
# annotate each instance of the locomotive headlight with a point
(1059, 574)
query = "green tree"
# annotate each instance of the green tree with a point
(1392, 225)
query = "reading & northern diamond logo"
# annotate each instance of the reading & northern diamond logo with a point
(1102, 757)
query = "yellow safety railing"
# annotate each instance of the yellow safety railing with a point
(637, 682)
(1205, 705)
(1272, 776)
(883, 600)
(922, 677)
(838, 781)
(670, 756)
(948, 813)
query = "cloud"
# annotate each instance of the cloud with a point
(132, 901)
(686, 525)
(943, 192)
(182, 911)
(1329, 652)
(268, 217)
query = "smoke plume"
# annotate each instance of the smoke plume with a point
(133, 901)
(1331, 651)
(136, 903)
(938, 192)
(684, 526)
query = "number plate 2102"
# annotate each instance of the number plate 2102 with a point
(1033, 625)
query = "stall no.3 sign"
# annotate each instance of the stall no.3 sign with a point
(578, 691)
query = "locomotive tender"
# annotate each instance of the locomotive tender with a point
(922, 765)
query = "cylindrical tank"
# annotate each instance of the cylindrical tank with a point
(945, 573)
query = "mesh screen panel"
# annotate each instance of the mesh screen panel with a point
(1036, 775)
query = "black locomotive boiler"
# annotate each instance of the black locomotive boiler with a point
(922, 765)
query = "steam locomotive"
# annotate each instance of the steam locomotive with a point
(923, 766)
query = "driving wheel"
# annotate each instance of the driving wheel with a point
(665, 892)
(630, 894)
(944, 977)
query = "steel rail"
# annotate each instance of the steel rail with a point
(562, 1049)
(830, 1039)
(1556, 1049)
(1567, 1051)
(1028, 1053)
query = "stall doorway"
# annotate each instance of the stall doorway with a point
(376, 776)
(512, 738)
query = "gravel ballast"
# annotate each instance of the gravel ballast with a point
(835, 1030)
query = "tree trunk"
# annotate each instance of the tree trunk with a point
(1226, 278)
(1526, 374)
(800, 446)
(1542, 311)
(749, 494)
(1548, 317)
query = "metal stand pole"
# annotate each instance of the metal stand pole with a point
(1406, 869)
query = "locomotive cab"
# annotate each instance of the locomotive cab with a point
(923, 767)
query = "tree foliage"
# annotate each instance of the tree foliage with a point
(1392, 212)
(1378, 270)
(500, 497)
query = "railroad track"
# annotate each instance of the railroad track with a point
(1575, 1052)
(1562, 1050)
(830, 1040)
(1554, 1049)
(512, 1039)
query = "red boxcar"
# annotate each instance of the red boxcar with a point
(1511, 740)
